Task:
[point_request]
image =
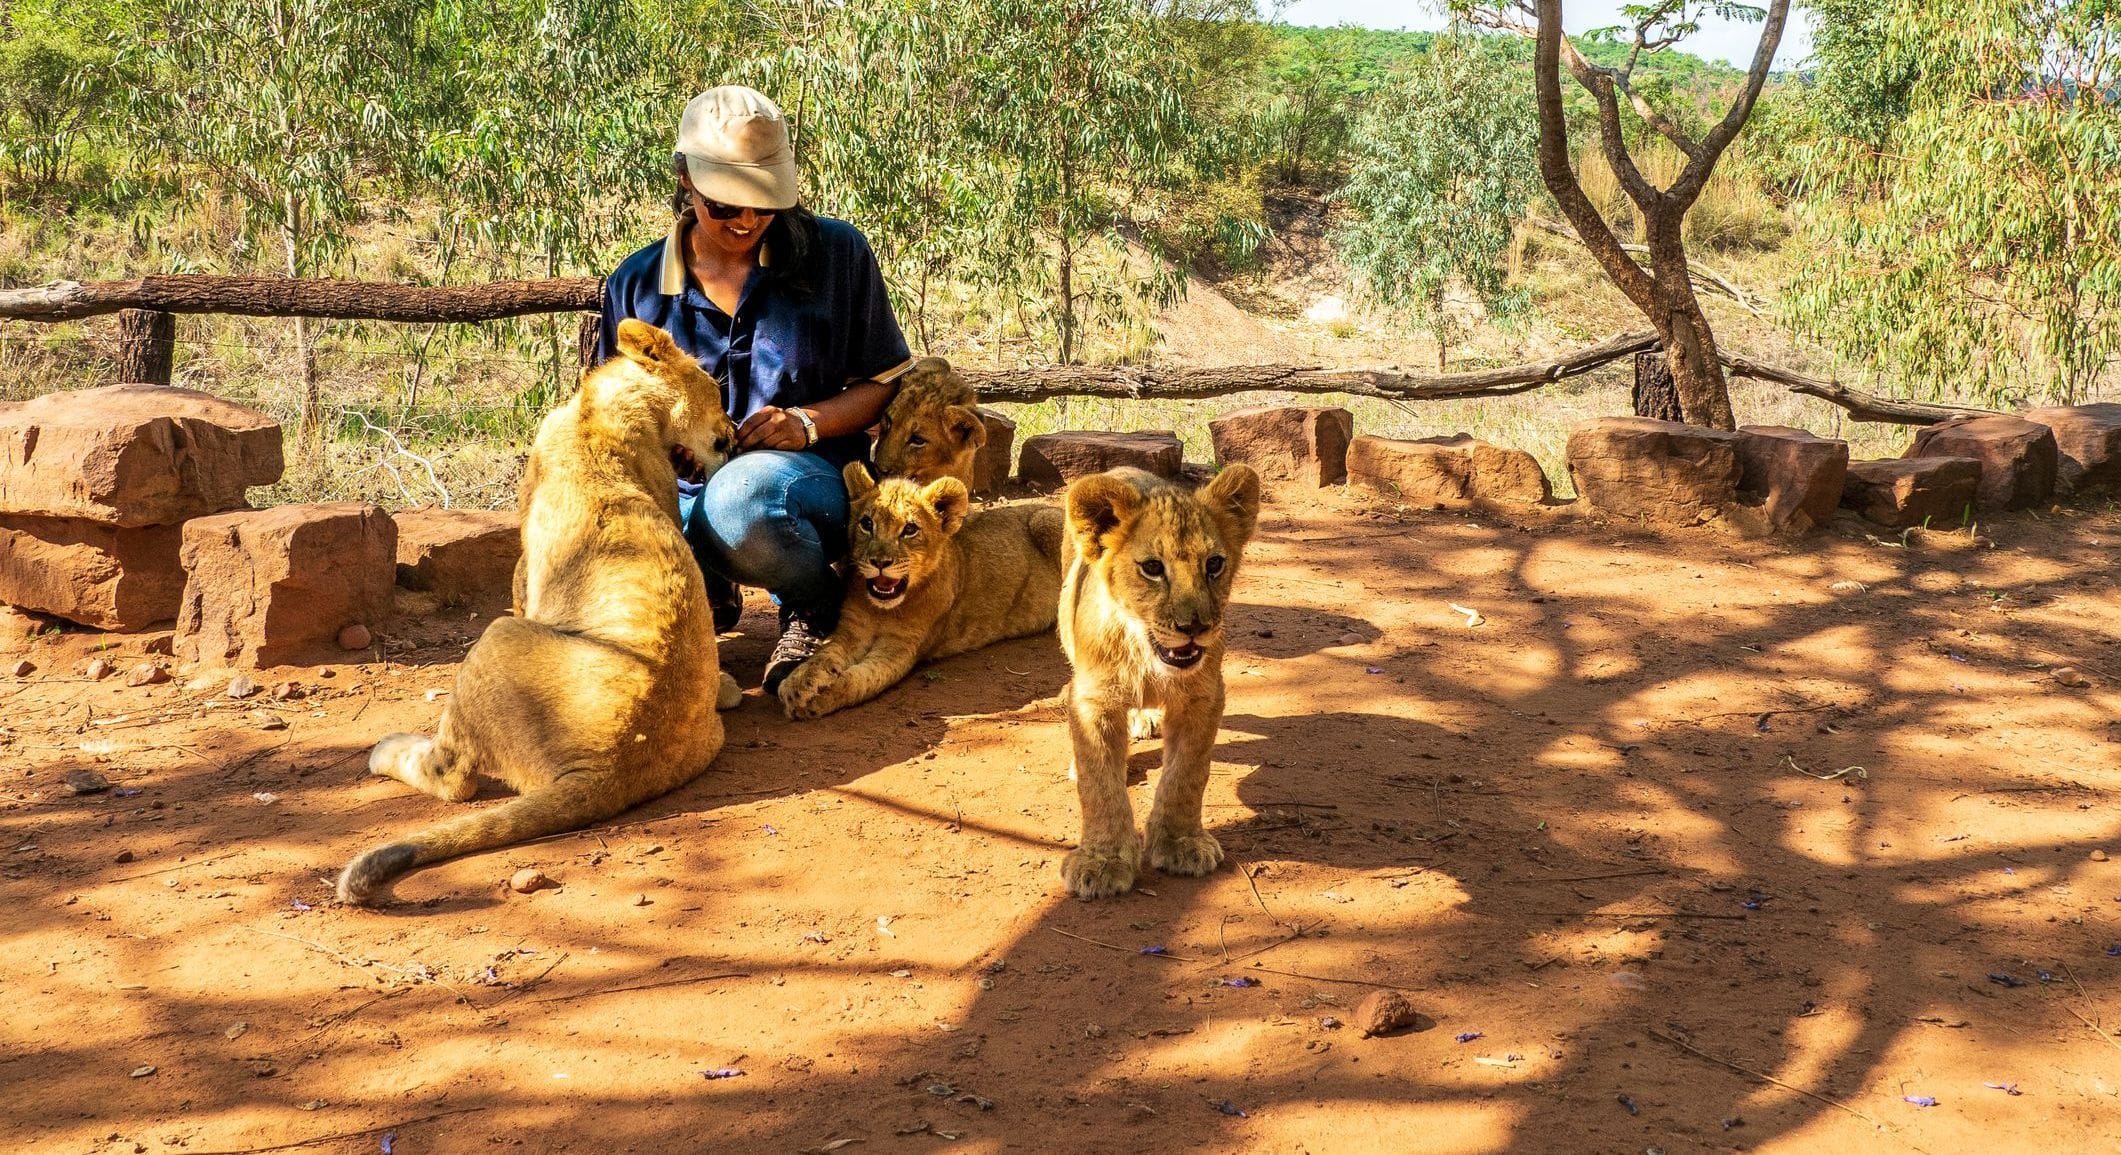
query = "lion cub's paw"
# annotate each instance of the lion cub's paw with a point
(1191, 854)
(1100, 872)
(802, 692)
(1145, 723)
(727, 694)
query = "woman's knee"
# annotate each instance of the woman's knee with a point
(772, 519)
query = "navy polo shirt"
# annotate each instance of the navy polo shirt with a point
(782, 347)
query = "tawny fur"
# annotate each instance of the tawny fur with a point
(932, 429)
(600, 693)
(958, 582)
(1122, 625)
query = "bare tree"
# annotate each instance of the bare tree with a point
(1663, 290)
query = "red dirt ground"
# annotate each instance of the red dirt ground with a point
(1552, 830)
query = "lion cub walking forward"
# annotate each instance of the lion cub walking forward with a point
(927, 581)
(1141, 616)
(600, 693)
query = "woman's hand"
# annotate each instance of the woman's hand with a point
(772, 427)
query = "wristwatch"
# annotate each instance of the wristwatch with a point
(809, 426)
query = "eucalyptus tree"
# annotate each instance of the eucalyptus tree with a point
(283, 103)
(1662, 291)
(1964, 210)
(1443, 167)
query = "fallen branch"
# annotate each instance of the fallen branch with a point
(1861, 406)
(1143, 382)
(338, 1135)
(306, 297)
(655, 986)
(1586, 877)
(1814, 1095)
(1119, 948)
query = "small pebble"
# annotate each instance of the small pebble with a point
(100, 669)
(267, 720)
(123, 856)
(85, 782)
(2070, 676)
(528, 879)
(23, 668)
(146, 674)
(355, 637)
(2098, 856)
(163, 644)
(1349, 640)
(242, 686)
(142, 1072)
(288, 692)
(1383, 1012)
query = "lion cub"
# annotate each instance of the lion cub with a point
(924, 580)
(601, 692)
(1141, 616)
(932, 429)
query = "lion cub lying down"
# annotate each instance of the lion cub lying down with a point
(600, 693)
(1141, 617)
(925, 580)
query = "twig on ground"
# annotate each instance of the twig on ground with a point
(1814, 1095)
(338, 1135)
(656, 986)
(1328, 979)
(1634, 914)
(1589, 877)
(1858, 771)
(179, 866)
(2096, 1028)
(529, 984)
(1119, 948)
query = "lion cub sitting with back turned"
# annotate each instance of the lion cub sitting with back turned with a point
(601, 691)
(932, 429)
(925, 580)
(1141, 617)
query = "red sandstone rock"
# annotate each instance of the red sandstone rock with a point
(1912, 491)
(991, 466)
(2019, 459)
(1306, 445)
(1447, 471)
(1659, 470)
(459, 555)
(266, 586)
(2088, 438)
(91, 572)
(132, 455)
(1052, 460)
(1797, 476)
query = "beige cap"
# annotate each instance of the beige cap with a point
(735, 145)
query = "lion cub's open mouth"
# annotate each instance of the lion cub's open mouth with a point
(688, 466)
(1179, 657)
(886, 589)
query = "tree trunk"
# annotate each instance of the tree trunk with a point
(1655, 396)
(587, 331)
(146, 345)
(1689, 344)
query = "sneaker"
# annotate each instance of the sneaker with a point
(726, 599)
(800, 638)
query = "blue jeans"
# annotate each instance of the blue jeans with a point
(772, 519)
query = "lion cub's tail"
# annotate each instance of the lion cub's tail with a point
(574, 800)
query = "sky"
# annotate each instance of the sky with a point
(1718, 39)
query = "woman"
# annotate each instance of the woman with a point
(788, 311)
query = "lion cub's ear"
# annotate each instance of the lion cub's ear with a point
(1233, 497)
(646, 344)
(859, 483)
(947, 497)
(1097, 505)
(964, 425)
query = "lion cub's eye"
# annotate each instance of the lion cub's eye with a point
(1215, 566)
(911, 530)
(916, 441)
(867, 525)
(1152, 569)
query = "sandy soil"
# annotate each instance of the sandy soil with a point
(1609, 842)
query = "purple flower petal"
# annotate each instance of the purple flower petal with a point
(1241, 982)
(1373, 669)
(2114, 951)
(2044, 976)
(1155, 950)
(298, 904)
(1751, 904)
(125, 792)
(1921, 1100)
(722, 1073)
(1733, 1121)
(769, 830)
(1469, 1036)
(390, 1142)
(1624, 1101)
(1229, 1108)
(2006, 980)
(2006, 1088)
(1956, 656)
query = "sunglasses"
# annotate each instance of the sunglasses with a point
(722, 212)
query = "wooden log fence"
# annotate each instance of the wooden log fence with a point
(146, 309)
